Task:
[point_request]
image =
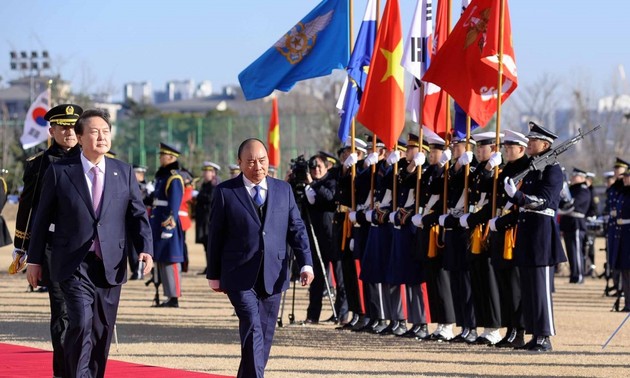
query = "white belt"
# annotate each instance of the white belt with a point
(547, 212)
(157, 202)
(623, 222)
(182, 213)
(576, 215)
(456, 212)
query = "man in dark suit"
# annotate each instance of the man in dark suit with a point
(252, 220)
(95, 204)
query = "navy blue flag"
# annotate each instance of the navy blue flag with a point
(460, 122)
(357, 70)
(313, 47)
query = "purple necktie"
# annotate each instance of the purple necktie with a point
(97, 193)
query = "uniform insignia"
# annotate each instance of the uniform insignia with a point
(31, 158)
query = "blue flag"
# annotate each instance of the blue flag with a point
(460, 122)
(313, 47)
(357, 69)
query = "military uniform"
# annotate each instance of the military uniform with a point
(613, 198)
(5, 236)
(168, 237)
(36, 165)
(573, 227)
(132, 253)
(538, 248)
(622, 254)
(202, 207)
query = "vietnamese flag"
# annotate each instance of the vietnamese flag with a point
(436, 101)
(273, 136)
(467, 65)
(382, 107)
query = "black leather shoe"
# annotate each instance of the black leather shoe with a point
(411, 333)
(542, 344)
(393, 324)
(379, 326)
(332, 319)
(461, 338)
(423, 332)
(506, 342)
(348, 325)
(173, 302)
(526, 345)
(361, 324)
(401, 329)
(472, 336)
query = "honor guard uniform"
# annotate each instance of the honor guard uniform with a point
(613, 196)
(5, 236)
(64, 144)
(438, 282)
(622, 255)
(405, 266)
(134, 266)
(573, 224)
(342, 228)
(202, 204)
(501, 243)
(538, 248)
(168, 237)
(184, 211)
(484, 286)
(456, 240)
(235, 170)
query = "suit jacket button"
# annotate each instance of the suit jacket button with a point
(264, 233)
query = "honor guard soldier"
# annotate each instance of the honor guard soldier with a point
(622, 255)
(405, 266)
(502, 232)
(613, 196)
(573, 224)
(168, 237)
(202, 204)
(64, 144)
(438, 280)
(538, 247)
(235, 170)
(134, 266)
(456, 240)
(342, 230)
(5, 236)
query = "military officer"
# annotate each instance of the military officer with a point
(538, 247)
(203, 201)
(168, 237)
(235, 170)
(5, 236)
(622, 262)
(134, 266)
(573, 224)
(64, 144)
(613, 196)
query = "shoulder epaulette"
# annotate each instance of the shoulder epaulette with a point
(31, 158)
(175, 176)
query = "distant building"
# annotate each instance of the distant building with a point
(17, 98)
(139, 92)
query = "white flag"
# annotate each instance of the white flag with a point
(417, 53)
(35, 126)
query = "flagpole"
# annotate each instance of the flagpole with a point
(49, 89)
(500, 84)
(353, 168)
(373, 168)
(467, 166)
(421, 137)
(447, 137)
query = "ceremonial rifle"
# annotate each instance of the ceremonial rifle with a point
(550, 157)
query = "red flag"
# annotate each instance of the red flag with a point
(467, 65)
(273, 136)
(436, 99)
(382, 107)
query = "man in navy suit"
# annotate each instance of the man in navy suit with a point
(252, 220)
(94, 203)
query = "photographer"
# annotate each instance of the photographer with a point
(319, 193)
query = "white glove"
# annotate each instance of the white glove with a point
(393, 157)
(150, 187)
(368, 215)
(466, 158)
(509, 187)
(166, 235)
(495, 159)
(493, 224)
(419, 159)
(463, 220)
(442, 219)
(310, 194)
(446, 157)
(351, 160)
(372, 158)
(21, 252)
(351, 244)
(417, 220)
(353, 216)
(392, 217)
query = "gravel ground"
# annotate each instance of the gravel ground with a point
(202, 335)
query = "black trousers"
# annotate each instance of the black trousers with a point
(92, 306)
(462, 298)
(509, 281)
(439, 291)
(58, 318)
(485, 292)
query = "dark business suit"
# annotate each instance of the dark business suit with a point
(84, 278)
(247, 252)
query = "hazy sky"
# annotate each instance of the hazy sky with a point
(103, 44)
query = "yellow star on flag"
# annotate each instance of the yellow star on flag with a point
(274, 136)
(394, 68)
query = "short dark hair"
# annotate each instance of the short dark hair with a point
(248, 141)
(89, 113)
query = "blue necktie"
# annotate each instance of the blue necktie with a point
(258, 200)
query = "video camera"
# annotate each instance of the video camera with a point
(299, 171)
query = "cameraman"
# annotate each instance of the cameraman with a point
(320, 206)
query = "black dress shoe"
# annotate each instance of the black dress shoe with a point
(461, 338)
(348, 324)
(393, 324)
(362, 323)
(472, 336)
(379, 326)
(526, 345)
(173, 302)
(400, 330)
(506, 342)
(423, 332)
(309, 322)
(542, 344)
(411, 333)
(332, 319)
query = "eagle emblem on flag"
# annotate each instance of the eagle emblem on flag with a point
(301, 39)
